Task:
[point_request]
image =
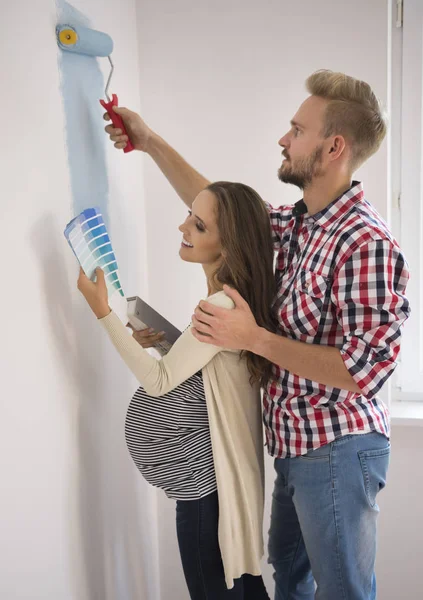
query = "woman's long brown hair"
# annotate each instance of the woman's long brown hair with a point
(247, 265)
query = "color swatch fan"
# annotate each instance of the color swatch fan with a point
(87, 236)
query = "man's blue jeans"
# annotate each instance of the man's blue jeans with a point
(323, 523)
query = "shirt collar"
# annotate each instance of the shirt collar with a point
(336, 209)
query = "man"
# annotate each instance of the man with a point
(340, 304)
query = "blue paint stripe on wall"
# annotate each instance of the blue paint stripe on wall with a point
(82, 87)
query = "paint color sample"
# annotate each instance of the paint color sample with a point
(87, 236)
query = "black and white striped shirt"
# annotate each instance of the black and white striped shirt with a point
(169, 440)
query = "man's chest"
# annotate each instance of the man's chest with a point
(304, 275)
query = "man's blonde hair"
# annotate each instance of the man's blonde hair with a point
(353, 111)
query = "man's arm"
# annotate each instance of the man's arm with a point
(186, 181)
(237, 329)
(323, 364)
(369, 295)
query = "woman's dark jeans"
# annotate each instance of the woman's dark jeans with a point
(197, 525)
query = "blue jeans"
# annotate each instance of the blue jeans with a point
(323, 522)
(196, 525)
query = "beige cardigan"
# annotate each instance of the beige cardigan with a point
(234, 410)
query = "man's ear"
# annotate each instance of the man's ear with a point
(337, 147)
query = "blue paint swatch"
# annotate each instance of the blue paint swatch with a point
(87, 236)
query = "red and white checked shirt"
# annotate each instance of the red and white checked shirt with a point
(341, 280)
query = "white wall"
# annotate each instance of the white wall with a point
(401, 522)
(77, 520)
(220, 81)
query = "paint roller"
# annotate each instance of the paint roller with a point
(90, 42)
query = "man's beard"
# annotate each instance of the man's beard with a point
(305, 170)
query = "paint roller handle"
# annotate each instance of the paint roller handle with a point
(117, 120)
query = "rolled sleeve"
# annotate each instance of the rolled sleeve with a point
(369, 293)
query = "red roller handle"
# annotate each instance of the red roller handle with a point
(117, 120)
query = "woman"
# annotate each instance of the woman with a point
(194, 427)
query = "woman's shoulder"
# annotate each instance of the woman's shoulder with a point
(221, 299)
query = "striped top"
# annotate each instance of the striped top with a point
(169, 440)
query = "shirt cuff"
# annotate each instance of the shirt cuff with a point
(369, 373)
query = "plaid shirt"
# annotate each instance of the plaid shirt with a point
(341, 280)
